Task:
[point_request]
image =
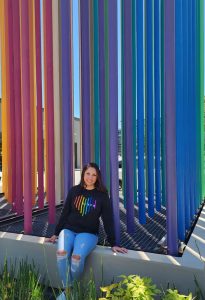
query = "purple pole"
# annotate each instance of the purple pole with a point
(67, 101)
(50, 110)
(18, 114)
(25, 88)
(128, 114)
(102, 89)
(39, 105)
(170, 126)
(85, 81)
(113, 109)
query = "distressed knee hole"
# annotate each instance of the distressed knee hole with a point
(61, 254)
(76, 258)
(75, 262)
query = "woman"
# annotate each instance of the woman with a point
(78, 225)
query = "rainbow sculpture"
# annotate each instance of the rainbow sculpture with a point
(162, 104)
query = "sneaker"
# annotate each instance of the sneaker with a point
(62, 296)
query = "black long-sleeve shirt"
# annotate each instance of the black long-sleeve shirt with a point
(82, 211)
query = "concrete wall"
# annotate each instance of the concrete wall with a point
(163, 269)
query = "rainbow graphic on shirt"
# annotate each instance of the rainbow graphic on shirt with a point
(84, 205)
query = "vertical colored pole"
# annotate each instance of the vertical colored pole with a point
(134, 97)
(198, 112)
(11, 107)
(107, 93)
(149, 73)
(157, 102)
(140, 110)
(57, 98)
(7, 168)
(102, 89)
(32, 98)
(4, 101)
(201, 66)
(113, 118)
(85, 81)
(179, 120)
(39, 106)
(18, 113)
(170, 126)
(189, 112)
(25, 88)
(91, 55)
(163, 167)
(128, 114)
(49, 110)
(96, 84)
(123, 107)
(186, 106)
(67, 100)
(196, 100)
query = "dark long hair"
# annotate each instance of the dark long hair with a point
(99, 183)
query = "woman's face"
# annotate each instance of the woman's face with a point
(90, 178)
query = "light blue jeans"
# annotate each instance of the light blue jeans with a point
(73, 248)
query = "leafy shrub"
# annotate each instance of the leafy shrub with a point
(174, 295)
(131, 287)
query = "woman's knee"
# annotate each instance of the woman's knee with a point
(61, 254)
(76, 259)
(77, 263)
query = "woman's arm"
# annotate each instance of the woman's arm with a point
(52, 239)
(119, 249)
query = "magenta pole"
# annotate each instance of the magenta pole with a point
(26, 117)
(39, 106)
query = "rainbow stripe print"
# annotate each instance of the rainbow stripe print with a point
(84, 205)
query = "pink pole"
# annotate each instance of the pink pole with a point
(26, 117)
(39, 106)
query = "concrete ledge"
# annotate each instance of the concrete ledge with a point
(163, 269)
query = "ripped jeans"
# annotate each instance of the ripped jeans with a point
(73, 248)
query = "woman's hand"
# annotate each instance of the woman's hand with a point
(52, 239)
(119, 249)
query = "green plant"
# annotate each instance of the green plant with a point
(83, 289)
(20, 282)
(131, 287)
(174, 295)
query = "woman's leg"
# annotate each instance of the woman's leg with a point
(84, 243)
(65, 246)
